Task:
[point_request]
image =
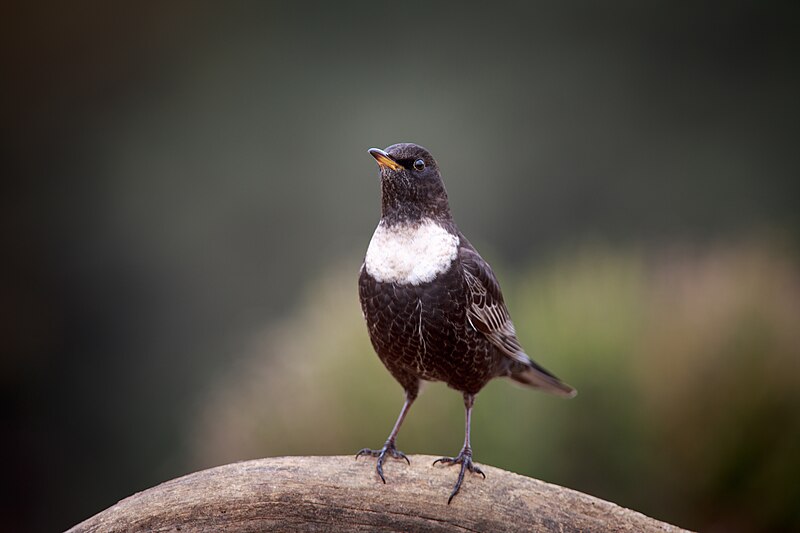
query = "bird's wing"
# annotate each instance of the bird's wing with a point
(488, 314)
(487, 311)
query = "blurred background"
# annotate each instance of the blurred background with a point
(188, 199)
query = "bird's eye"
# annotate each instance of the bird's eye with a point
(419, 164)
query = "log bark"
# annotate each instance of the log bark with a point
(343, 494)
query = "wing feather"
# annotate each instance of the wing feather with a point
(488, 314)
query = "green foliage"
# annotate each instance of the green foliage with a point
(686, 366)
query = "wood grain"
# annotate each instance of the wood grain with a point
(341, 494)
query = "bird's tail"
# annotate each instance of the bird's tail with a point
(537, 377)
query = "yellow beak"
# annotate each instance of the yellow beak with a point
(384, 160)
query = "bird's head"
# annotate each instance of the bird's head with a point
(411, 187)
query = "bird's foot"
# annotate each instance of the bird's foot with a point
(388, 449)
(465, 460)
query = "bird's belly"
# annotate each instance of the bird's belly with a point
(423, 329)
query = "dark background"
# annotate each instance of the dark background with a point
(187, 184)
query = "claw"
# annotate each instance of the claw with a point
(367, 451)
(397, 454)
(388, 448)
(465, 459)
(379, 468)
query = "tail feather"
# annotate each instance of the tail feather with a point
(537, 377)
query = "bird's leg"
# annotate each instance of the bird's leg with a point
(464, 458)
(389, 447)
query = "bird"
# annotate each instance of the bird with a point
(433, 306)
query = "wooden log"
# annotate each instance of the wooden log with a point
(343, 494)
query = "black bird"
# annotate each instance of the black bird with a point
(433, 306)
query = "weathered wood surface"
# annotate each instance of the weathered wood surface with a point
(342, 494)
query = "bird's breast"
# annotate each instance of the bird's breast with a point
(412, 253)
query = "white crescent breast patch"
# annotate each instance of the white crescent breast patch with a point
(411, 253)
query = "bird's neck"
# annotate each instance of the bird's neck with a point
(405, 202)
(394, 215)
(395, 210)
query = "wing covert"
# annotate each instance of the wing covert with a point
(487, 311)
